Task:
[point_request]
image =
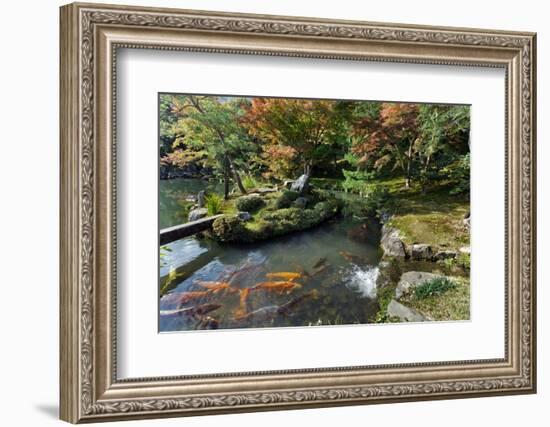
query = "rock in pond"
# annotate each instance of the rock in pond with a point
(412, 279)
(197, 213)
(421, 252)
(244, 216)
(404, 313)
(391, 243)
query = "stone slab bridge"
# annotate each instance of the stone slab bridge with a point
(171, 234)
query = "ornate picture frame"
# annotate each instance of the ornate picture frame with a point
(90, 37)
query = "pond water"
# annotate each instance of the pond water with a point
(175, 193)
(329, 275)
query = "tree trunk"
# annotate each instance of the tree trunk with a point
(409, 161)
(236, 175)
(226, 178)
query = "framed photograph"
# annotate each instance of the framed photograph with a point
(266, 212)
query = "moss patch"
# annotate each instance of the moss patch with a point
(267, 223)
(434, 217)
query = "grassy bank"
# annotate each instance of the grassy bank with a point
(434, 217)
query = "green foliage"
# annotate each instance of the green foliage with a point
(249, 203)
(376, 197)
(458, 173)
(286, 199)
(356, 181)
(434, 287)
(250, 182)
(214, 204)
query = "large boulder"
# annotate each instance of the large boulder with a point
(301, 184)
(404, 313)
(421, 252)
(197, 213)
(391, 243)
(411, 280)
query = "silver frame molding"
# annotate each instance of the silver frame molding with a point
(90, 37)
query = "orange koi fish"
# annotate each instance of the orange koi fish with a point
(284, 275)
(215, 286)
(282, 286)
(243, 308)
(191, 295)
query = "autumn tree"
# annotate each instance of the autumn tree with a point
(295, 129)
(411, 136)
(213, 124)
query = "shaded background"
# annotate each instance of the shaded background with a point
(29, 170)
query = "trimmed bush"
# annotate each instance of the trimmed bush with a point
(249, 203)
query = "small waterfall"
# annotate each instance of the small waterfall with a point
(363, 280)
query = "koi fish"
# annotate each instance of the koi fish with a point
(322, 261)
(322, 269)
(272, 311)
(287, 307)
(280, 287)
(216, 287)
(263, 313)
(199, 310)
(350, 257)
(284, 275)
(191, 295)
(207, 323)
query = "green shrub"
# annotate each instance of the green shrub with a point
(214, 204)
(356, 181)
(376, 197)
(249, 203)
(458, 173)
(250, 182)
(285, 199)
(434, 287)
